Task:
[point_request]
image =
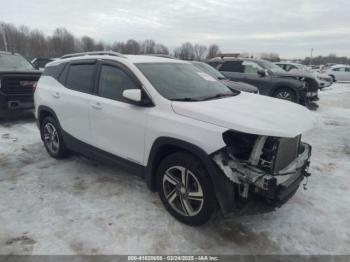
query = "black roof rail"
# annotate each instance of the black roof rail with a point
(110, 53)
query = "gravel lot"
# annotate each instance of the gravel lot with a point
(78, 206)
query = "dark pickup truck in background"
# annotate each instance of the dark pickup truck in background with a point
(18, 79)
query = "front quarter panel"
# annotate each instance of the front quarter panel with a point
(207, 137)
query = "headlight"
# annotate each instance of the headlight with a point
(240, 145)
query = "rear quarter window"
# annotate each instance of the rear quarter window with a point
(54, 71)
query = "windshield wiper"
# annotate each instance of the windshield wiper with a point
(221, 78)
(185, 99)
(218, 96)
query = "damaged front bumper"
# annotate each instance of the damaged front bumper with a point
(251, 181)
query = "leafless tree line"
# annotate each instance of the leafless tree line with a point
(322, 60)
(33, 43)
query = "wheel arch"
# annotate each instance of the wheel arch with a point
(164, 146)
(280, 86)
(44, 111)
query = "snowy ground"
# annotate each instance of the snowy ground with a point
(77, 206)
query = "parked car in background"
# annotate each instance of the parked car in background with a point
(40, 63)
(270, 79)
(327, 66)
(18, 79)
(339, 72)
(315, 68)
(197, 143)
(322, 79)
(237, 86)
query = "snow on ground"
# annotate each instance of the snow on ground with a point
(78, 206)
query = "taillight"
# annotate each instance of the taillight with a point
(34, 86)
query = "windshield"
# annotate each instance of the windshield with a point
(179, 81)
(302, 67)
(14, 62)
(209, 70)
(270, 66)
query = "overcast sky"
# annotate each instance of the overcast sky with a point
(290, 28)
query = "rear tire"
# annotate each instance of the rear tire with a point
(52, 136)
(285, 93)
(185, 189)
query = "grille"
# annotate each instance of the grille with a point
(278, 153)
(14, 85)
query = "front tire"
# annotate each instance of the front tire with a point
(285, 94)
(52, 137)
(185, 189)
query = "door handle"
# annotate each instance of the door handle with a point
(97, 106)
(56, 95)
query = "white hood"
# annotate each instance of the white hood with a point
(249, 113)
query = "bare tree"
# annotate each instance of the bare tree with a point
(273, 57)
(87, 44)
(62, 42)
(185, 51)
(33, 43)
(161, 49)
(148, 47)
(118, 47)
(213, 51)
(322, 60)
(132, 47)
(199, 51)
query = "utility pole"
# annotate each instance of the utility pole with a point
(2, 29)
(312, 50)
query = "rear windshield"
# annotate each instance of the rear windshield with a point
(14, 62)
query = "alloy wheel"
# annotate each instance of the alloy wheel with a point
(284, 95)
(51, 138)
(183, 191)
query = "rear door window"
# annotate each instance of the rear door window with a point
(232, 66)
(80, 77)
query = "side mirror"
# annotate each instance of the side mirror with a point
(261, 72)
(133, 95)
(137, 97)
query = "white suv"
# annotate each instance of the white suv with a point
(196, 142)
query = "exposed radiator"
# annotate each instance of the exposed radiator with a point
(278, 153)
